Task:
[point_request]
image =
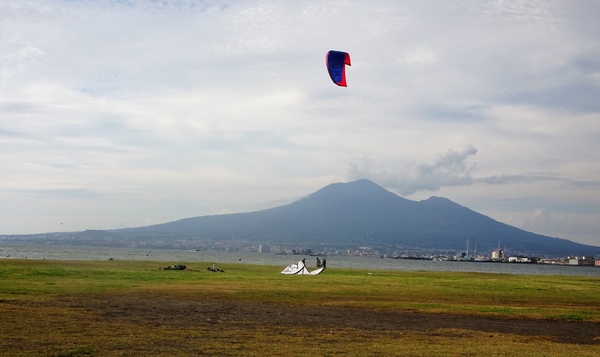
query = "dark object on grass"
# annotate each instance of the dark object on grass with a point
(175, 267)
(214, 269)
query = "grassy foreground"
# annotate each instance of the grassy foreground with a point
(41, 312)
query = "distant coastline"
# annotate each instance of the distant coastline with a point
(278, 261)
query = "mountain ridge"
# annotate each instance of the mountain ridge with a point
(351, 214)
(362, 212)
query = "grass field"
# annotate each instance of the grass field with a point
(126, 308)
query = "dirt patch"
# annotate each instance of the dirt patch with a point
(224, 314)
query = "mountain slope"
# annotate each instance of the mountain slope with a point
(361, 212)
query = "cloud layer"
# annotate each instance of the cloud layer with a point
(125, 113)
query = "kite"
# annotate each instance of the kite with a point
(336, 66)
(299, 268)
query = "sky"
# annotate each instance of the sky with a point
(125, 113)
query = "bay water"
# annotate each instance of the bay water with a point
(194, 259)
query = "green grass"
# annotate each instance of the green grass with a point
(546, 297)
(29, 289)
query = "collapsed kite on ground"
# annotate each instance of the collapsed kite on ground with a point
(336, 66)
(299, 268)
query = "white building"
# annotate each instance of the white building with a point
(264, 248)
(498, 254)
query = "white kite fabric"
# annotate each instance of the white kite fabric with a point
(299, 268)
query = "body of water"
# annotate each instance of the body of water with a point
(167, 257)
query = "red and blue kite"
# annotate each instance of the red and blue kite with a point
(336, 66)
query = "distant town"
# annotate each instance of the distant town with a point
(500, 255)
(497, 256)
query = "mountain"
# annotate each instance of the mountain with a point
(340, 216)
(363, 213)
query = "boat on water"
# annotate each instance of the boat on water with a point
(414, 257)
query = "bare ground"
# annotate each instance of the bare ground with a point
(225, 314)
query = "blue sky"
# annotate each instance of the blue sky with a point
(127, 113)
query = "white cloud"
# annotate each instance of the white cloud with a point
(581, 227)
(448, 169)
(180, 108)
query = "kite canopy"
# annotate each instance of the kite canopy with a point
(299, 268)
(336, 66)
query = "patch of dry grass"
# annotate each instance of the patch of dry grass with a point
(51, 331)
